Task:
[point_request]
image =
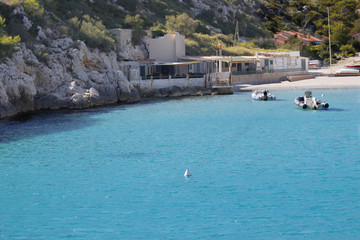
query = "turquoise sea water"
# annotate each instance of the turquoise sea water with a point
(261, 170)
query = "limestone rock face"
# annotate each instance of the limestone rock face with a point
(89, 98)
(65, 74)
(130, 52)
(16, 90)
(223, 12)
(125, 48)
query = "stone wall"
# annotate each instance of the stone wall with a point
(172, 87)
(264, 77)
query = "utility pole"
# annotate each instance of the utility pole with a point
(236, 36)
(328, 12)
(220, 55)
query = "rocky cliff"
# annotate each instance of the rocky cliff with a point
(53, 71)
(70, 76)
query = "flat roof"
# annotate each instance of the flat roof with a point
(233, 59)
(174, 63)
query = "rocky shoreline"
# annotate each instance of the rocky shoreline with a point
(68, 76)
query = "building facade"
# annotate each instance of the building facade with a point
(167, 48)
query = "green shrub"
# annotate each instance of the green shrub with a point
(95, 37)
(183, 24)
(356, 44)
(207, 16)
(64, 30)
(16, 27)
(201, 28)
(347, 50)
(33, 8)
(134, 21)
(75, 23)
(157, 33)
(193, 48)
(159, 7)
(128, 5)
(202, 44)
(340, 34)
(275, 24)
(158, 30)
(2, 24)
(92, 32)
(42, 54)
(137, 35)
(267, 44)
(8, 44)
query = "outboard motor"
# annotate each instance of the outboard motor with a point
(309, 100)
(265, 95)
(308, 94)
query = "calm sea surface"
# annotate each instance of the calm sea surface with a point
(261, 170)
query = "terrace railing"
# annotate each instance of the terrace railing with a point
(158, 77)
(267, 71)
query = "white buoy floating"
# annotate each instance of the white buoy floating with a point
(187, 173)
(322, 95)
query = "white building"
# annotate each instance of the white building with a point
(167, 48)
(282, 61)
(167, 60)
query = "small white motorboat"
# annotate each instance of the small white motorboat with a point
(262, 95)
(354, 66)
(310, 102)
(348, 71)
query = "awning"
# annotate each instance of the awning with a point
(175, 63)
(235, 59)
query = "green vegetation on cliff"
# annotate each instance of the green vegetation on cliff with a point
(205, 23)
(7, 43)
(311, 17)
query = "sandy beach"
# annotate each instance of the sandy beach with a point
(319, 82)
(324, 79)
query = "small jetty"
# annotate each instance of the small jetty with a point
(294, 78)
(222, 89)
(223, 84)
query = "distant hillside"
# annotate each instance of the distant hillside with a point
(203, 22)
(212, 15)
(256, 17)
(309, 16)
